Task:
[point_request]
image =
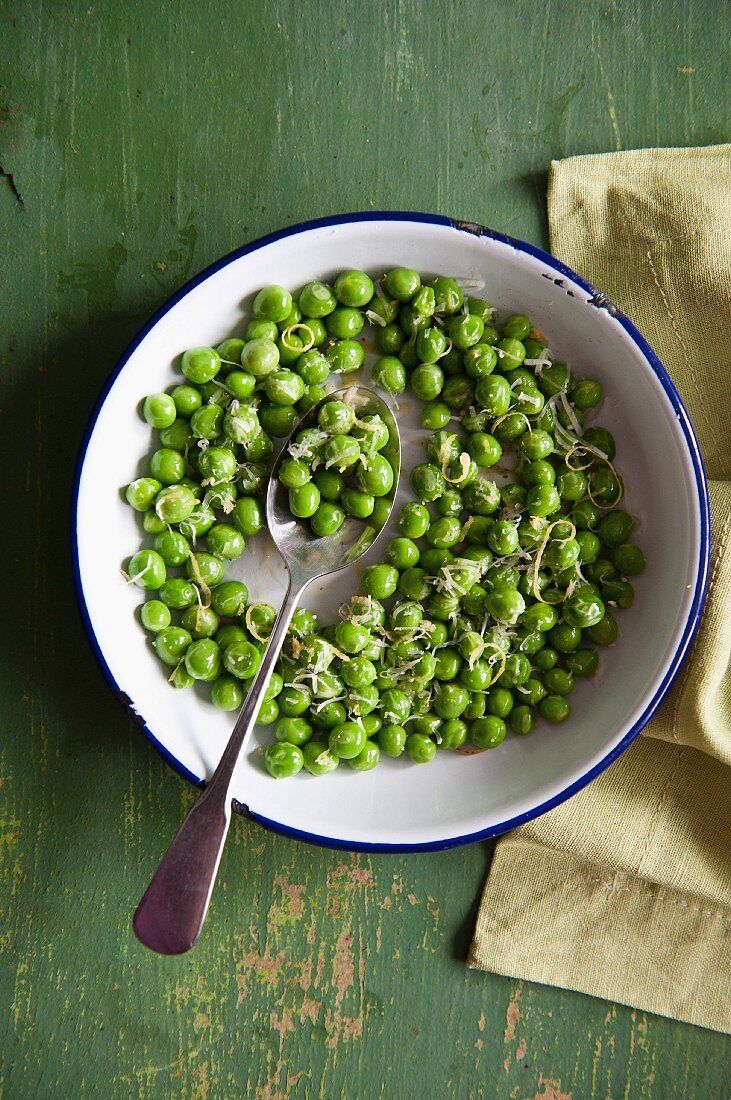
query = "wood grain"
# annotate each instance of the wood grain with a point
(138, 142)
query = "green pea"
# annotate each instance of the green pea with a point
(346, 740)
(341, 452)
(294, 700)
(357, 503)
(450, 503)
(390, 339)
(354, 288)
(420, 748)
(178, 593)
(318, 760)
(147, 570)
(392, 739)
(380, 581)
(431, 344)
(435, 415)
(155, 616)
(227, 693)
(317, 300)
(159, 410)
(458, 393)
(453, 734)
(330, 484)
(565, 637)
(492, 393)
(180, 678)
(304, 501)
(367, 758)
(389, 373)
(293, 731)
(604, 632)
(480, 361)
(178, 437)
(375, 475)
(167, 466)
(200, 364)
(187, 400)
(545, 658)
(203, 659)
(241, 384)
(202, 622)
(554, 379)
(619, 592)
(242, 660)
(427, 381)
(516, 670)
(488, 732)
(408, 356)
(226, 541)
(204, 568)
(585, 515)
(259, 328)
(532, 691)
(140, 494)
(517, 326)
(413, 584)
(554, 708)
(465, 330)
(230, 599)
(414, 521)
(402, 283)
(283, 760)
(448, 665)
(449, 297)
(345, 356)
(477, 678)
(542, 500)
(559, 681)
(427, 481)
(171, 643)
(196, 523)
(272, 303)
(484, 449)
(207, 422)
(583, 662)
(522, 720)
(628, 559)
(499, 702)
(344, 323)
(602, 439)
(586, 394)
(268, 712)
(227, 635)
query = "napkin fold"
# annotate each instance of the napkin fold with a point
(623, 891)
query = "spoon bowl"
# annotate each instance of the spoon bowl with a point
(173, 909)
(303, 551)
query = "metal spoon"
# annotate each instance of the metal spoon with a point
(171, 914)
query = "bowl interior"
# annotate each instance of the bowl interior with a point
(456, 796)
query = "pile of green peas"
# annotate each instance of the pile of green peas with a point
(496, 595)
(337, 469)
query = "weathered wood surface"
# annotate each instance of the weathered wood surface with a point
(138, 142)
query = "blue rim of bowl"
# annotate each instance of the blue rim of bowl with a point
(596, 300)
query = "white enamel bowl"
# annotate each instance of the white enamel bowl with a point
(456, 798)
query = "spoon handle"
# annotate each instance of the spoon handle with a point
(171, 914)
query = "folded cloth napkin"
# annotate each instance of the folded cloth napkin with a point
(623, 891)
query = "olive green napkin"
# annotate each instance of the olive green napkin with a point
(623, 891)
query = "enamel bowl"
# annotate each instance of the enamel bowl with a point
(457, 798)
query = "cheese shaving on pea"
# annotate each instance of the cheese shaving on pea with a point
(539, 556)
(251, 626)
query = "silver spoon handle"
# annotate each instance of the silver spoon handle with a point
(172, 911)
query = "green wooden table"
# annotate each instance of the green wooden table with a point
(138, 142)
